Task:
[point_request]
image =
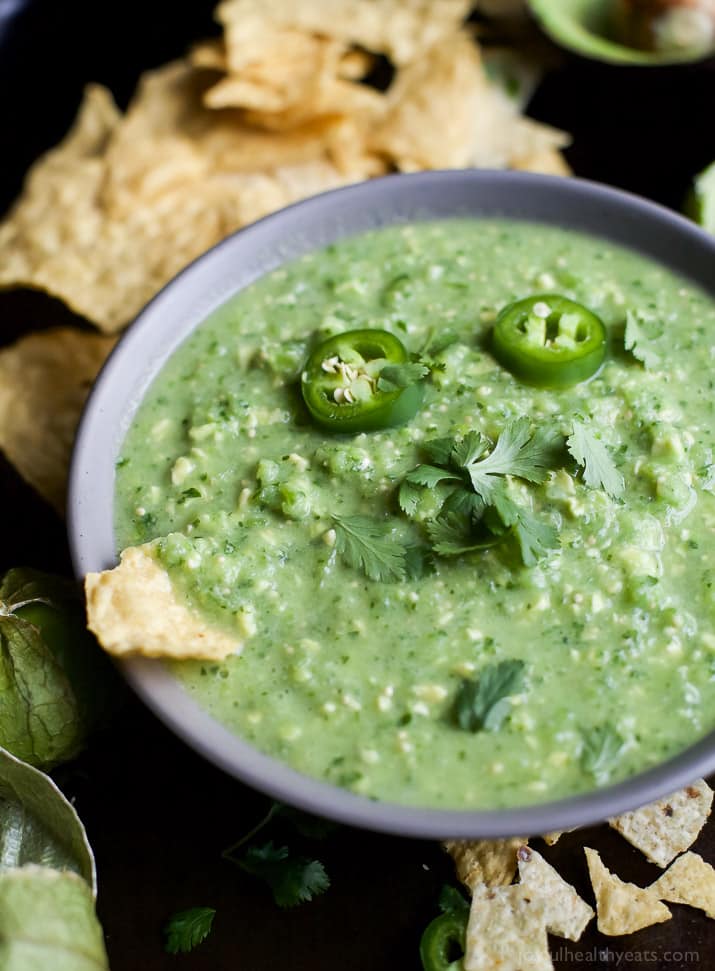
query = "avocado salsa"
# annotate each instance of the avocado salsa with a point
(564, 645)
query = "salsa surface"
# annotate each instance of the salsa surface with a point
(354, 681)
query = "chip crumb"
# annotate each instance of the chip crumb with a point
(622, 908)
(491, 862)
(668, 827)
(134, 610)
(551, 839)
(506, 931)
(565, 913)
(691, 881)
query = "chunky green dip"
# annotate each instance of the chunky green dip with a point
(358, 681)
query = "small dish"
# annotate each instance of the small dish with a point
(232, 265)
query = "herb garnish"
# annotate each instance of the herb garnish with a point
(641, 331)
(365, 544)
(477, 511)
(602, 745)
(186, 929)
(292, 877)
(394, 377)
(485, 703)
(599, 470)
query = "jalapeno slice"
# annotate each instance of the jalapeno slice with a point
(549, 341)
(442, 939)
(340, 383)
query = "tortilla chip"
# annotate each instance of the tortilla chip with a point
(668, 827)
(623, 908)
(506, 931)
(305, 84)
(548, 161)
(401, 29)
(503, 137)
(169, 140)
(551, 839)
(491, 862)
(691, 881)
(565, 913)
(432, 106)
(44, 381)
(106, 229)
(134, 610)
(209, 54)
(57, 213)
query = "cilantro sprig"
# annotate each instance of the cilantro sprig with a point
(365, 544)
(602, 745)
(186, 929)
(395, 377)
(293, 877)
(484, 704)
(477, 511)
(599, 469)
(640, 337)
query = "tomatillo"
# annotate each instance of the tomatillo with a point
(549, 341)
(341, 383)
(442, 938)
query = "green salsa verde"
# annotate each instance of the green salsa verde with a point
(354, 680)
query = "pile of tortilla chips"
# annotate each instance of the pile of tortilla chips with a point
(274, 111)
(509, 922)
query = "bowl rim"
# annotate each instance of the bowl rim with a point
(180, 306)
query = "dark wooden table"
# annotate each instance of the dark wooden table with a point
(158, 816)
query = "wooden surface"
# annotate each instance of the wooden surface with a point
(158, 816)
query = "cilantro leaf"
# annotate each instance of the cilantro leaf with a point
(517, 452)
(393, 377)
(465, 502)
(408, 496)
(293, 879)
(452, 534)
(418, 561)
(485, 703)
(364, 544)
(438, 342)
(438, 450)
(468, 449)
(602, 745)
(599, 470)
(186, 929)
(641, 331)
(430, 476)
(534, 537)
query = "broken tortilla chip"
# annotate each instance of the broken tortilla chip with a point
(623, 908)
(105, 238)
(432, 107)
(506, 931)
(668, 827)
(44, 382)
(551, 839)
(565, 913)
(502, 137)
(134, 610)
(491, 862)
(691, 881)
(401, 29)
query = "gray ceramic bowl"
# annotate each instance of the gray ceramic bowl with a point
(234, 264)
